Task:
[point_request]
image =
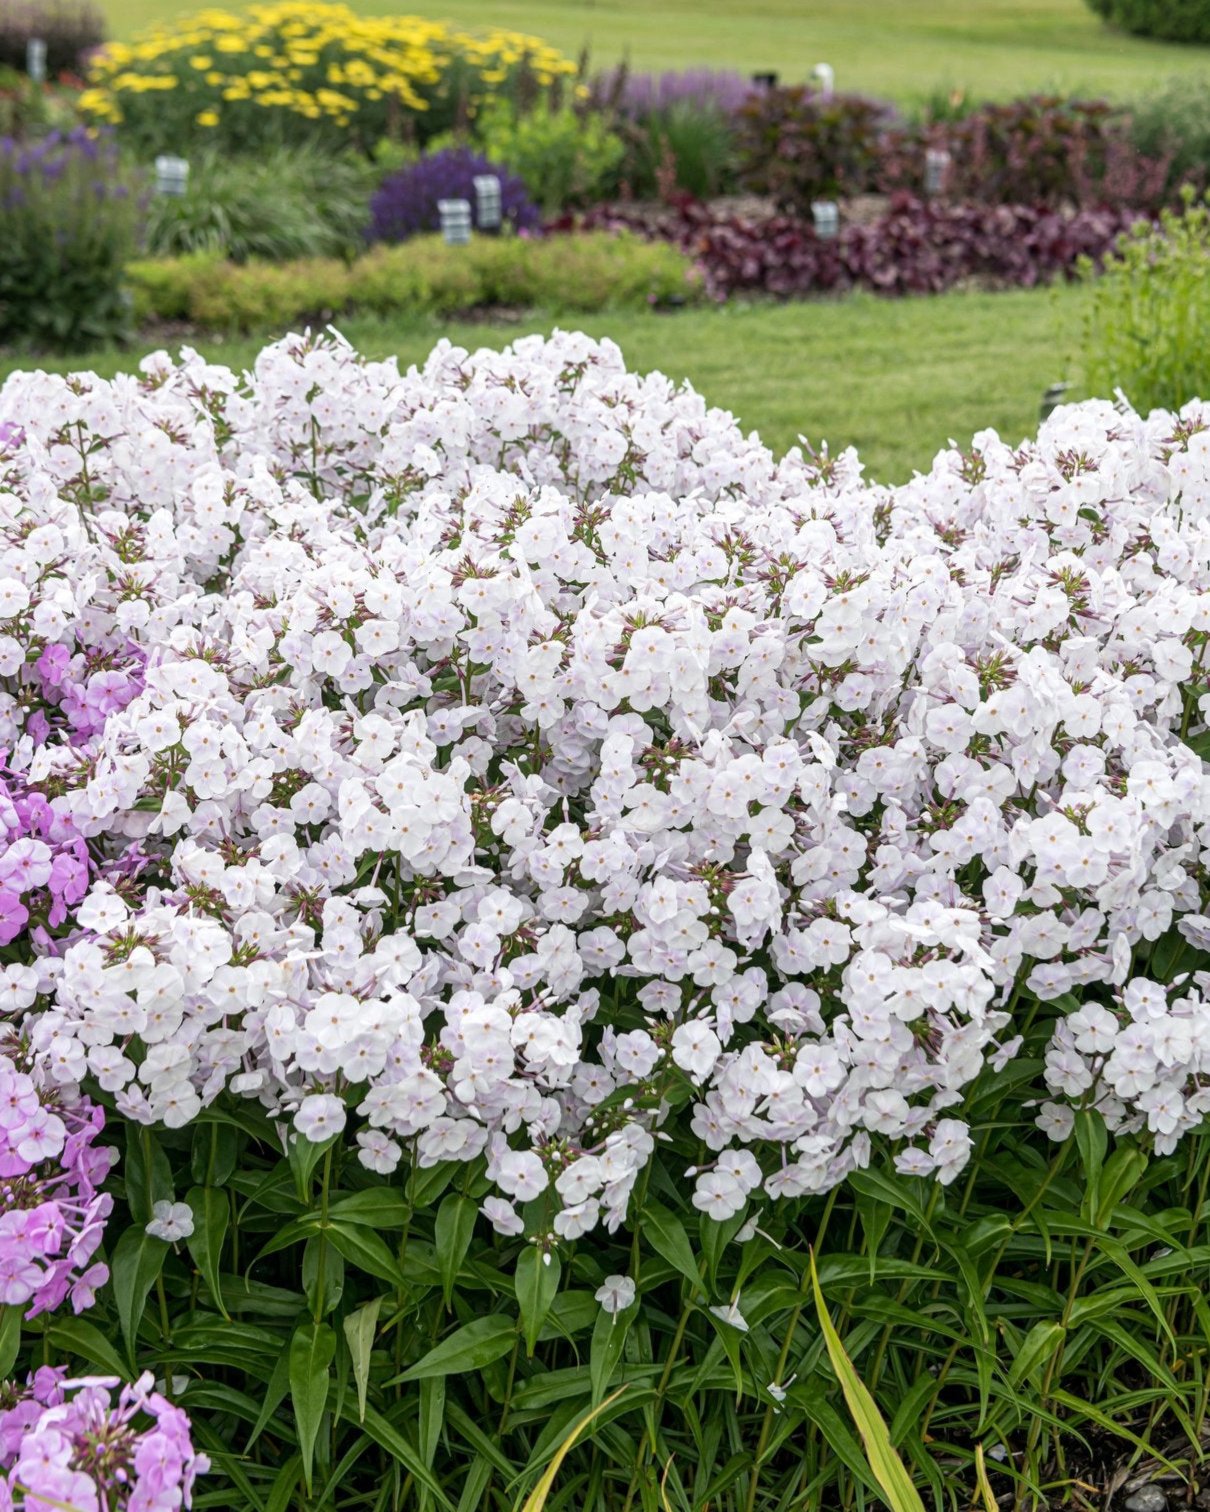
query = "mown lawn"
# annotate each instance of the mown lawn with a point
(897, 379)
(904, 50)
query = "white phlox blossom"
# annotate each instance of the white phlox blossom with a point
(471, 756)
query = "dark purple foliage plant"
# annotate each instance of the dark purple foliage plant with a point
(916, 247)
(70, 29)
(405, 203)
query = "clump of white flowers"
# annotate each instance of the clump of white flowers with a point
(511, 759)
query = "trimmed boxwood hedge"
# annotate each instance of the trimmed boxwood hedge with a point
(1171, 20)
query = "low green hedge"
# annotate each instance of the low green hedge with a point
(574, 273)
(1171, 20)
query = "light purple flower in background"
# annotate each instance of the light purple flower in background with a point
(52, 1215)
(639, 95)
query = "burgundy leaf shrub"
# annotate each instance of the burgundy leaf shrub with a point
(798, 145)
(917, 247)
(1038, 150)
(70, 28)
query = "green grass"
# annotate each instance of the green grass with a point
(897, 379)
(901, 49)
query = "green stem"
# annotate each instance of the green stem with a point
(320, 1264)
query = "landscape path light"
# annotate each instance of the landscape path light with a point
(488, 208)
(455, 221)
(1051, 399)
(825, 76)
(826, 215)
(35, 59)
(171, 174)
(765, 80)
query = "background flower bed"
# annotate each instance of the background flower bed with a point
(295, 503)
(592, 272)
(914, 248)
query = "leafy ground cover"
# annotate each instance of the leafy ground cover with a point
(904, 51)
(897, 380)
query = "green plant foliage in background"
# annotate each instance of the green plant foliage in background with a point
(686, 146)
(69, 221)
(566, 157)
(277, 205)
(596, 271)
(1174, 122)
(1149, 311)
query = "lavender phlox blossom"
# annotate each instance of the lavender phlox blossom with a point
(52, 1215)
(96, 1445)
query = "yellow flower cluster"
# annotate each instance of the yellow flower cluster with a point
(317, 63)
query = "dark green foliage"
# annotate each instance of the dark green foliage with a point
(1168, 20)
(363, 1342)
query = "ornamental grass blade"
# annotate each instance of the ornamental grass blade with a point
(986, 1494)
(885, 1465)
(536, 1500)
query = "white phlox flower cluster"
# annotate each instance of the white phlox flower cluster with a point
(510, 759)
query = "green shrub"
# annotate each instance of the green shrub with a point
(276, 294)
(566, 158)
(592, 271)
(421, 275)
(585, 273)
(1174, 123)
(284, 203)
(1171, 20)
(68, 224)
(1145, 331)
(684, 146)
(163, 288)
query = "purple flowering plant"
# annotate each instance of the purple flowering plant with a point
(405, 203)
(70, 211)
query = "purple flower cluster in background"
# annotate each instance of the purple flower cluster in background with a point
(406, 202)
(52, 1215)
(67, 1443)
(69, 192)
(640, 95)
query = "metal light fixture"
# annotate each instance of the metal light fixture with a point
(455, 221)
(825, 76)
(936, 170)
(488, 207)
(765, 80)
(1052, 399)
(171, 174)
(826, 215)
(35, 59)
